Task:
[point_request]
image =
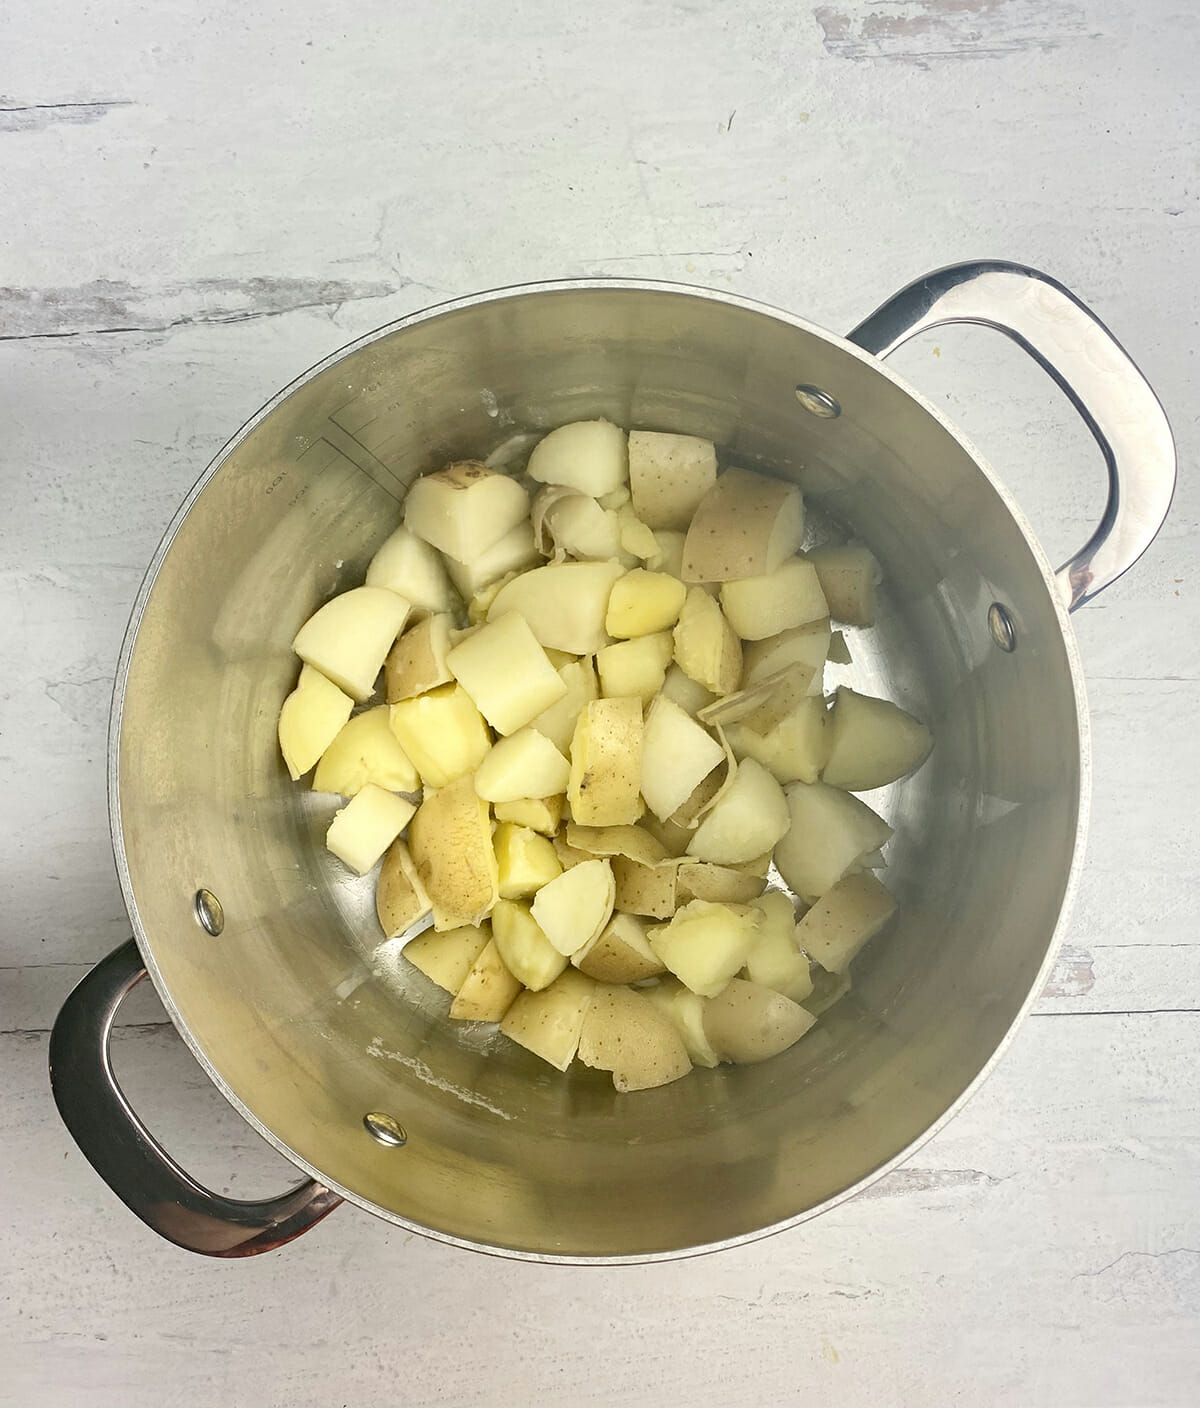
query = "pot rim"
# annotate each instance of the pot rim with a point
(514, 291)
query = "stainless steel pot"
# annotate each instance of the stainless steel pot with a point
(270, 963)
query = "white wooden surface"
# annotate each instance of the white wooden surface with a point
(201, 199)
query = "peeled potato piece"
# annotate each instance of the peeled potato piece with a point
(669, 475)
(487, 991)
(514, 552)
(685, 1011)
(637, 539)
(548, 1023)
(747, 819)
(706, 645)
(442, 732)
(525, 861)
(705, 944)
(465, 508)
(506, 672)
(523, 764)
(747, 1023)
(831, 833)
(619, 953)
(642, 603)
(843, 919)
(568, 522)
(746, 525)
(446, 958)
(410, 567)
(681, 689)
(635, 667)
(349, 636)
(776, 961)
(790, 596)
(848, 576)
(565, 603)
(588, 455)
(558, 721)
(542, 814)
(576, 906)
(365, 750)
(624, 1034)
(400, 898)
(794, 750)
(527, 953)
(450, 839)
(311, 718)
(367, 825)
(677, 755)
(606, 763)
(871, 742)
(417, 662)
(806, 645)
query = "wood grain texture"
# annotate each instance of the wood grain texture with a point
(204, 201)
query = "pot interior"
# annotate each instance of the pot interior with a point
(309, 1020)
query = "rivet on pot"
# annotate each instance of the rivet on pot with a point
(209, 914)
(1000, 623)
(385, 1130)
(817, 402)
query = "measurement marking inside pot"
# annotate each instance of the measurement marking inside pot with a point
(422, 1072)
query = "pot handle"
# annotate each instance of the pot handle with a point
(123, 1152)
(1090, 365)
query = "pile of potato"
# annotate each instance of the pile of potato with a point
(604, 720)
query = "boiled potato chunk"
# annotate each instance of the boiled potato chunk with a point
(625, 1034)
(575, 525)
(525, 861)
(442, 732)
(606, 763)
(645, 889)
(506, 672)
(548, 1023)
(588, 455)
(514, 552)
(410, 567)
(573, 908)
(745, 526)
(747, 1023)
(685, 1010)
(776, 961)
(367, 825)
(524, 763)
(619, 953)
(758, 607)
(764, 704)
(681, 689)
(365, 750)
(400, 898)
(806, 645)
(871, 742)
(349, 636)
(747, 819)
(706, 646)
(677, 755)
(669, 475)
(558, 721)
(565, 603)
(669, 557)
(843, 919)
(417, 662)
(794, 750)
(849, 576)
(642, 603)
(311, 718)
(830, 834)
(701, 880)
(448, 957)
(635, 667)
(542, 814)
(637, 539)
(705, 944)
(527, 953)
(465, 508)
(487, 991)
(451, 844)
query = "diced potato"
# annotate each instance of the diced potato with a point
(843, 919)
(400, 898)
(538, 813)
(701, 880)
(805, 645)
(794, 750)
(759, 607)
(745, 526)
(669, 557)
(645, 889)
(705, 944)
(677, 755)
(525, 861)
(619, 953)
(761, 705)
(514, 552)
(685, 1010)
(523, 763)
(849, 576)
(568, 522)
(576, 906)
(505, 671)
(559, 658)
(588, 455)
(775, 961)
(709, 792)
(871, 742)
(706, 645)
(606, 763)
(311, 718)
(347, 639)
(417, 662)
(527, 953)
(465, 508)
(479, 606)
(615, 498)
(410, 567)
(442, 732)
(450, 839)
(681, 689)
(633, 841)
(642, 603)
(748, 818)
(839, 651)
(748, 1023)
(448, 957)
(624, 1034)
(565, 603)
(548, 1023)
(831, 832)
(365, 750)
(669, 475)
(367, 825)
(487, 991)
(637, 538)
(558, 721)
(635, 667)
